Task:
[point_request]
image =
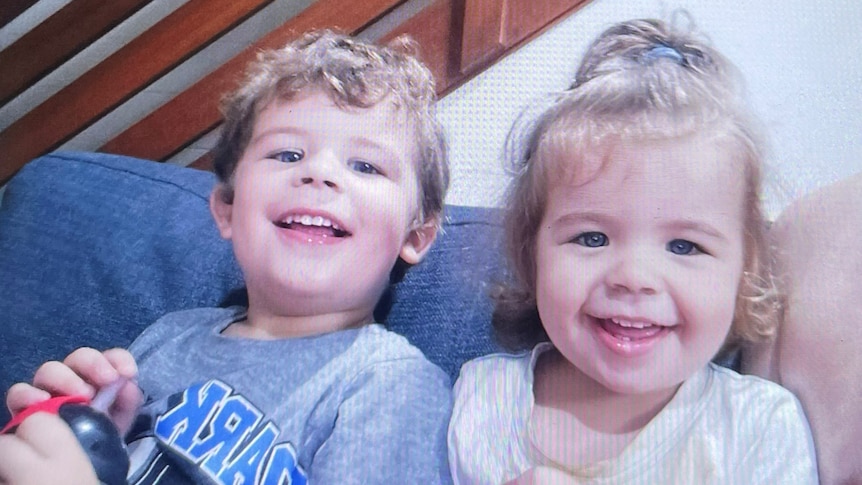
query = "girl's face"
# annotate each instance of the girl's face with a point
(638, 267)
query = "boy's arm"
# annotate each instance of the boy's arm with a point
(43, 450)
(390, 429)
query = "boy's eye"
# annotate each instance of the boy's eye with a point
(364, 167)
(287, 156)
(591, 239)
(683, 247)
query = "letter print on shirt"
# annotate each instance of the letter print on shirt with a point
(212, 434)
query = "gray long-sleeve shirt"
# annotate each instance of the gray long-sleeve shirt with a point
(353, 406)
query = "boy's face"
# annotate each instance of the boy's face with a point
(325, 201)
(638, 267)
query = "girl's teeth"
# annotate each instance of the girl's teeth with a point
(631, 324)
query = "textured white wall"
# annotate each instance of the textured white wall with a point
(802, 62)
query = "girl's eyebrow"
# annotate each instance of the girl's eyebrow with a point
(581, 216)
(702, 227)
(597, 217)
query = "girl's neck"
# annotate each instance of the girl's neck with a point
(593, 422)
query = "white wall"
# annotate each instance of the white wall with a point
(802, 61)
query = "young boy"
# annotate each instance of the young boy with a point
(332, 171)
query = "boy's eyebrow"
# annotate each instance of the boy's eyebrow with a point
(276, 131)
(387, 151)
(365, 142)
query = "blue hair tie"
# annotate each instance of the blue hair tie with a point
(663, 52)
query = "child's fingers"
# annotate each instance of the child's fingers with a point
(123, 362)
(58, 379)
(125, 406)
(93, 366)
(22, 395)
(45, 432)
(129, 398)
(44, 450)
(16, 458)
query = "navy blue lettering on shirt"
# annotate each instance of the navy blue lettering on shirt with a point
(210, 430)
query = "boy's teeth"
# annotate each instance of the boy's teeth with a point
(307, 220)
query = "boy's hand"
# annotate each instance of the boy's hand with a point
(84, 372)
(43, 450)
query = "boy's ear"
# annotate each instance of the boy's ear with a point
(419, 241)
(222, 211)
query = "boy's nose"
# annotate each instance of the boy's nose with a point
(635, 274)
(311, 180)
(321, 170)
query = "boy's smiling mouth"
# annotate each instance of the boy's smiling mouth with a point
(313, 225)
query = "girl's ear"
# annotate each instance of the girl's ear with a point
(222, 211)
(419, 241)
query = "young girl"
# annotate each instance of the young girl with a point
(636, 238)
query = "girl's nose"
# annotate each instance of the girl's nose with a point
(635, 273)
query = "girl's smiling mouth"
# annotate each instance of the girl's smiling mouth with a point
(629, 337)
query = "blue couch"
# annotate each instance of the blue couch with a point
(95, 247)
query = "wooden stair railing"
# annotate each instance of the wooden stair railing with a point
(175, 38)
(53, 42)
(194, 112)
(9, 9)
(457, 38)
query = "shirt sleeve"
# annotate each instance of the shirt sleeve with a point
(390, 428)
(783, 452)
(490, 411)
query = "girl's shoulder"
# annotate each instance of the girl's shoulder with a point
(497, 368)
(745, 386)
(753, 398)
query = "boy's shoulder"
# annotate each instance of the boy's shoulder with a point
(376, 346)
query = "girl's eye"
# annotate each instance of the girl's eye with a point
(591, 239)
(683, 247)
(364, 167)
(287, 156)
